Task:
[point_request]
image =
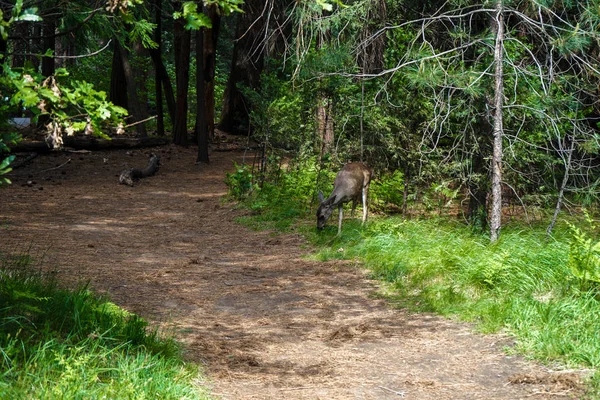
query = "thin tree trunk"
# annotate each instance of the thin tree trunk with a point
(201, 125)
(163, 76)
(35, 43)
(160, 122)
(496, 212)
(49, 43)
(71, 51)
(478, 183)
(324, 107)
(141, 75)
(182, 74)
(211, 37)
(135, 107)
(118, 85)
(362, 114)
(48, 65)
(371, 58)
(231, 114)
(20, 47)
(561, 192)
(246, 67)
(325, 124)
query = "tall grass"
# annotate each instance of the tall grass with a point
(68, 344)
(523, 284)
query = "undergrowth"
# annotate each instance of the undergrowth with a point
(545, 291)
(72, 344)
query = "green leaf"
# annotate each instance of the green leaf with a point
(142, 30)
(324, 5)
(61, 72)
(198, 21)
(4, 164)
(227, 7)
(194, 20)
(16, 11)
(29, 15)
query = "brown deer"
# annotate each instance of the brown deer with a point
(351, 184)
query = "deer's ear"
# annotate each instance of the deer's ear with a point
(320, 197)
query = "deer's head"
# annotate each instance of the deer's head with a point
(324, 211)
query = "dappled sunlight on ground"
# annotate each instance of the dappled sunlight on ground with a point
(266, 322)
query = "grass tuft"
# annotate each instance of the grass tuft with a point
(57, 344)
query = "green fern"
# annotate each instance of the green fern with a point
(584, 257)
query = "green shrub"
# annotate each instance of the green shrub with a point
(387, 191)
(240, 182)
(584, 259)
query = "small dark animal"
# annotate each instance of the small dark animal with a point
(351, 184)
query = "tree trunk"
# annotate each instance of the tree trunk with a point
(89, 143)
(362, 117)
(35, 43)
(496, 212)
(246, 67)
(370, 59)
(48, 39)
(20, 45)
(325, 124)
(135, 108)
(49, 44)
(477, 212)
(201, 125)
(167, 86)
(118, 81)
(160, 116)
(160, 121)
(163, 81)
(141, 74)
(182, 43)
(477, 180)
(563, 185)
(324, 105)
(211, 36)
(70, 50)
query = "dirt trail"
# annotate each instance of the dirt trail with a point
(266, 323)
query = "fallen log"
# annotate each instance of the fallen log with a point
(91, 143)
(129, 176)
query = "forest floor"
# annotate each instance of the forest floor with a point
(264, 320)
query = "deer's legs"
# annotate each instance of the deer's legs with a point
(340, 218)
(364, 204)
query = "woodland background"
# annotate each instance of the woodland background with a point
(410, 88)
(479, 118)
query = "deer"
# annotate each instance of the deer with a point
(351, 184)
